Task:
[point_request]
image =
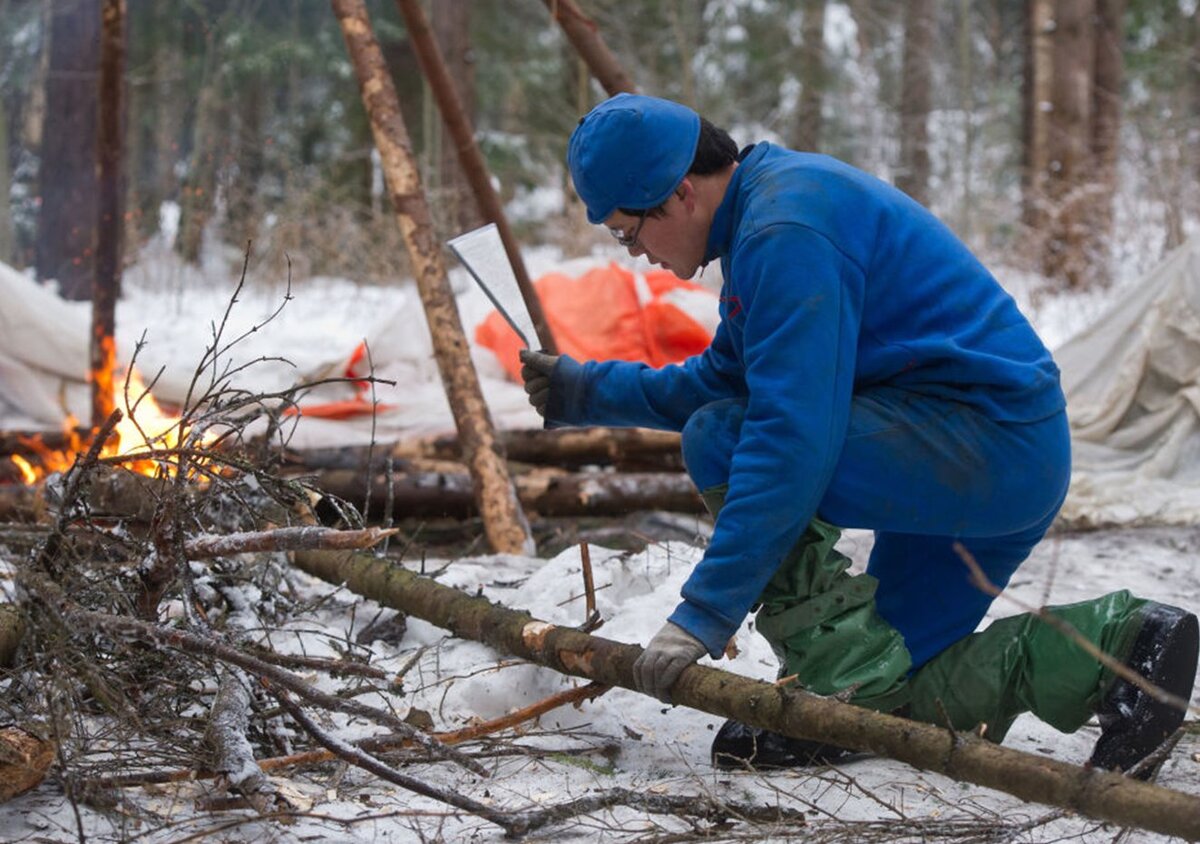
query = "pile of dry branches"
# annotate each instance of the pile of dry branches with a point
(139, 642)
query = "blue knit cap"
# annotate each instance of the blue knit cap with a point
(631, 151)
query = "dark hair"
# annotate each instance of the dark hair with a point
(715, 150)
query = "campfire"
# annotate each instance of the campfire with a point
(144, 435)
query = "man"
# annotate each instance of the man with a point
(867, 372)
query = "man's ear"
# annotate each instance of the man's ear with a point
(687, 194)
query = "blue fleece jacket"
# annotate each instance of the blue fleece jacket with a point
(834, 282)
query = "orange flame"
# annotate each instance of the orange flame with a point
(145, 430)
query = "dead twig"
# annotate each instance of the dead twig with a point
(376, 744)
(361, 759)
(695, 806)
(204, 645)
(332, 667)
(593, 621)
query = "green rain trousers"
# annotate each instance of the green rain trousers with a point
(822, 624)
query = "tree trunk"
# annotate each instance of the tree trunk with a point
(504, 523)
(916, 94)
(1039, 74)
(966, 98)
(451, 21)
(67, 174)
(812, 78)
(585, 36)
(241, 223)
(166, 87)
(1106, 134)
(1193, 82)
(198, 200)
(1067, 177)
(471, 161)
(1100, 795)
(8, 245)
(109, 229)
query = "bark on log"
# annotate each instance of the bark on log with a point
(1098, 794)
(629, 449)
(426, 495)
(585, 37)
(24, 760)
(505, 525)
(433, 65)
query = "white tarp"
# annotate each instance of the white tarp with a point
(44, 357)
(1132, 381)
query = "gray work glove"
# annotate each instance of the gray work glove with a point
(670, 651)
(536, 375)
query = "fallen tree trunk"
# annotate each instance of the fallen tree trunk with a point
(425, 495)
(111, 493)
(1098, 794)
(629, 449)
(568, 447)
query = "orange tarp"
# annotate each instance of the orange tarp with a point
(600, 316)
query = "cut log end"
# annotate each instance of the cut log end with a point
(24, 760)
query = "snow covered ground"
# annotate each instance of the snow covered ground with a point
(621, 739)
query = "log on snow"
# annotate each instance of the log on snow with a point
(1099, 794)
(629, 449)
(426, 495)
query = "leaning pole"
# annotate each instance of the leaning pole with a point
(1098, 794)
(503, 520)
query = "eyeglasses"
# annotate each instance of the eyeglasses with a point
(630, 240)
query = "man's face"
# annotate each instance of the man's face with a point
(673, 240)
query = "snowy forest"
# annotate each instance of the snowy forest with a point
(286, 554)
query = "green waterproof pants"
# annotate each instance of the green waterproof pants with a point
(822, 624)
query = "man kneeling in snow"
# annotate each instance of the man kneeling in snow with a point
(868, 372)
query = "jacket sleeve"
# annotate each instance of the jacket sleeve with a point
(801, 299)
(632, 394)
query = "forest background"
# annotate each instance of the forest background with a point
(1060, 137)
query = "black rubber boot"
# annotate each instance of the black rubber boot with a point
(1132, 723)
(738, 746)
